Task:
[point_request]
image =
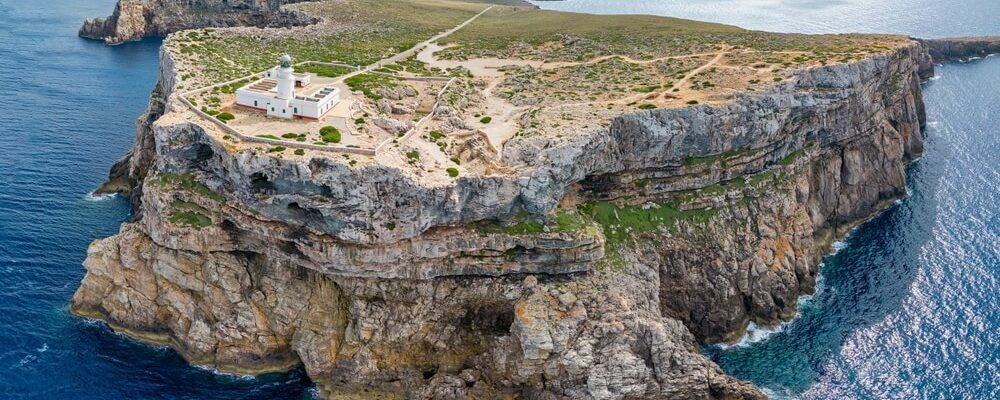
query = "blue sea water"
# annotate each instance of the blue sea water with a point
(909, 308)
(67, 112)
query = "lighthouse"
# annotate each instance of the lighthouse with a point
(286, 79)
(274, 93)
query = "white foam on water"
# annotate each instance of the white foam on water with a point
(757, 334)
(777, 394)
(214, 371)
(44, 348)
(838, 246)
(99, 197)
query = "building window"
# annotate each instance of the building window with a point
(255, 103)
(272, 109)
(296, 110)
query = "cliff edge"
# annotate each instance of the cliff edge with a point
(137, 19)
(567, 218)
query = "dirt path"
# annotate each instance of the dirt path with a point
(419, 47)
(698, 70)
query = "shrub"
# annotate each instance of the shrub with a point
(692, 102)
(486, 119)
(413, 155)
(276, 149)
(300, 152)
(452, 172)
(290, 135)
(209, 112)
(435, 135)
(225, 117)
(359, 121)
(330, 134)
(647, 106)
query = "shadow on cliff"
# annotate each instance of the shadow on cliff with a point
(861, 284)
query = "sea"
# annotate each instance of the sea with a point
(907, 308)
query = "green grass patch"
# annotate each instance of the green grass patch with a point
(619, 222)
(369, 83)
(790, 159)
(187, 182)
(330, 134)
(487, 119)
(452, 172)
(329, 71)
(188, 214)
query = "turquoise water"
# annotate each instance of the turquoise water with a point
(909, 306)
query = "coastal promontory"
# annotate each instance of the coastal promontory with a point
(491, 200)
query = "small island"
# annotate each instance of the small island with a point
(480, 199)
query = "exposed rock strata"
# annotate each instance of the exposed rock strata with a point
(962, 48)
(137, 19)
(369, 277)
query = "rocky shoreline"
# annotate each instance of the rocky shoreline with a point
(138, 19)
(382, 285)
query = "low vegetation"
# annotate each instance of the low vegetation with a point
(330, 134)
(188, 214)
(185, 181)
(368, 84)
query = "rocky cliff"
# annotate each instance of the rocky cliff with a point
(137, 19)
(664, 230)
(962, 48)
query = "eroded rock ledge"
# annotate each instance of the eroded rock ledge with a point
(137, 19)
(373, 279)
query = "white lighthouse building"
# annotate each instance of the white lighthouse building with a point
(275, 94)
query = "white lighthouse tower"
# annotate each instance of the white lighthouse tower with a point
(286, 79)
(274, 93)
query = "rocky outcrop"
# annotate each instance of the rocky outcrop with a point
(137, 19)
(372, 278)
(962, 48)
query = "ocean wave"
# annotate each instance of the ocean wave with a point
(99, 197)
(777, 393)
(756, 334)
(236, 376)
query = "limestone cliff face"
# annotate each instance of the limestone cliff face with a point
(962, 48)
(370, 277)
(137, 19)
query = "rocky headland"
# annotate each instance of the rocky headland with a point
(137, 19)
(585, 261)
